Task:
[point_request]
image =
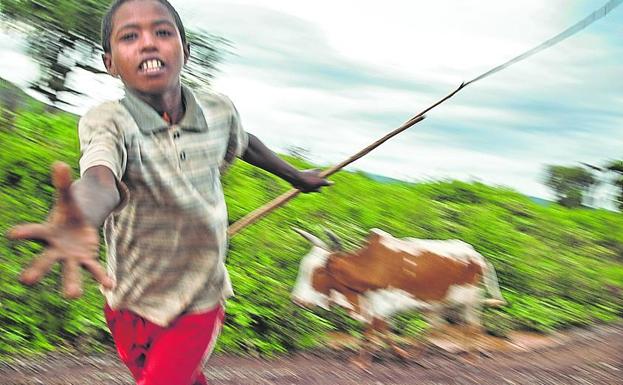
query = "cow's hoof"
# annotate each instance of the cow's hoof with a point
(423, 364)
(401, 353)
(469, 358)
(361, 364)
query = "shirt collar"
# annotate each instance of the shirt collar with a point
(149, 121)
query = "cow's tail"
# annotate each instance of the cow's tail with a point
(491, 284)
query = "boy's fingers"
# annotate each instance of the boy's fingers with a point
(61, 177)
(39, 267)
(72, 281)
(29, 231)
(98, 273)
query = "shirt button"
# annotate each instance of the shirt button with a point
(182, 155)
(176, 135)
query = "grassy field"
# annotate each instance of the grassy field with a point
(557, 267)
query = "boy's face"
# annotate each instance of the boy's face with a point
(146, 48)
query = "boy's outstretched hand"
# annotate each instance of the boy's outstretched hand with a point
(68, 237)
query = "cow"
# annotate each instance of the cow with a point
(389, 275)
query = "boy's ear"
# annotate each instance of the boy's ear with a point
(110, 67)
(186, 53)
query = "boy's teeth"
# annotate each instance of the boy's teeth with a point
(151, 64)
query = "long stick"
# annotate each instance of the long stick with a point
(284, 198)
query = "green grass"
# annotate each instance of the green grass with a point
(557, 267)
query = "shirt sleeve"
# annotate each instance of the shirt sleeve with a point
(238, 137)
(102, 144)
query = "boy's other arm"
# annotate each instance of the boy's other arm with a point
(70, 234)
(261, 156)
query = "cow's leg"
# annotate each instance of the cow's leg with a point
(356, 304)
(364, 359)
(376, 328)
(381, 327)
(472, 328)
(436, 324)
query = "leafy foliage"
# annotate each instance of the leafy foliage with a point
(64, 35)
(616, 167)
(570, 184)
(557, 267)
(72, 18)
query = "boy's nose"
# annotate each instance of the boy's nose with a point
(148, 42)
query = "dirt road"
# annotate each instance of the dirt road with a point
(582, 357)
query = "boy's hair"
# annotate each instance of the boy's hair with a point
(107, 22)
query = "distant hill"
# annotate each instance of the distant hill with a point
(385, 179)
(382, 178)
(540, 201)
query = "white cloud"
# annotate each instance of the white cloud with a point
(333, 76)
(15, 65)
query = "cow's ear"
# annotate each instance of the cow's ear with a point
(311, 238)
(336, 244)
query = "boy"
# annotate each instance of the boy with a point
(150, 169)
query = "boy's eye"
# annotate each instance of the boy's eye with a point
(163, 32)
(128, 36)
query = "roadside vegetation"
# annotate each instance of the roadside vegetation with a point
(558, 266)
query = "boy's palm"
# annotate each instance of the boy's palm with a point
(68, 237)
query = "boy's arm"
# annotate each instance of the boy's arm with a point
(70, 233)
(96, 194)
(261, 156)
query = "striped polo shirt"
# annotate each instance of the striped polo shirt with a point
(166, 242)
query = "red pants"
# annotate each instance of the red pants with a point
(170, 355)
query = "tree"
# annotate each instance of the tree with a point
(616, 167)
(298, 152)
(570, 184)
(613, 167)
(65, 34)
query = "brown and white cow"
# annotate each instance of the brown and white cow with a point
(389, 275)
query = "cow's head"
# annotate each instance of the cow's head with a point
(313, 284)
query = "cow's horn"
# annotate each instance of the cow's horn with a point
(311, 238)
(335, 241)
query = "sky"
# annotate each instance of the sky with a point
(332, 77)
